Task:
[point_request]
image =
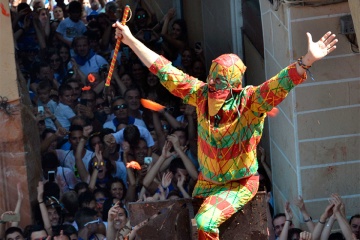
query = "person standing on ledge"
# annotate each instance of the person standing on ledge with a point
(230, 122)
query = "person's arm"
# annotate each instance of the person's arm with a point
(82, 170)
(288, 222)
(146, 55)
(175, 43)
(192, 129)
(322, 221)
(95, 172)
(151, 174)
(276, 89)
(18, 203)
(306, 216)
(170, 119)
(264, 164)
(327, 229)
(110, 230)
(131, 191)
(344, 226)
(161, 138)
(180, 185)
(185, 159)
(43, 209)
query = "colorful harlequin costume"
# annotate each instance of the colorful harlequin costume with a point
(230, 124)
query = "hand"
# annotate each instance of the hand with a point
(288, 211)
(328, 212)
(48, 113)
(166, 150)
(336, 200)
(170, 14)
(98, 154)
(175, 141)
(318, 50)
(113, 212)
(87, 130)
(299, 202)
(61, 132)
(124, 33)
(166, 179)
(40, 191)
(181, 180)
(305, 236)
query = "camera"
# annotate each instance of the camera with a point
(41, 110)
(148, 160)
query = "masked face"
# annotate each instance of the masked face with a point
(226, 73)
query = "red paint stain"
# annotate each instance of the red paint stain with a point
(3, 10)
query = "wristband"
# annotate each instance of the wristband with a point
(300, 62)
(41, 202)
(322, 222)
(308, 220)
(289, 221)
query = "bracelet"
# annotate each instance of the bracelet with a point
(41, 202)
(308, 220)
(300, 62)
(322, 222)
(288, 221)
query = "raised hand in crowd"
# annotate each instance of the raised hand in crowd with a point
(288, 222)
(299, 202)
(305, 236)
(180, 184)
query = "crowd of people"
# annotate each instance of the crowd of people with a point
(100, 148)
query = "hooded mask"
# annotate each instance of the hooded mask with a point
(227, 72)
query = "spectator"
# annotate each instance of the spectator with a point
(71, 26)
(34, 232)
(64, 112)
(87, 222)
(14, 233)
(86, 59)
(120, 110)
(355, 225)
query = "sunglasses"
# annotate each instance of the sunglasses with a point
(94, 221)
(117, 107)
(101, 200)
(141, 16)
(94, 164)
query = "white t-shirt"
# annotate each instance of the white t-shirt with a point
(64, 113)
(92, 65)
(67, 158)
(137, 122)
(144, 133)
(69, 29)
(66, 179)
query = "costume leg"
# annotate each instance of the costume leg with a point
(224, 201)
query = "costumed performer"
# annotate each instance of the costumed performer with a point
(230, 122)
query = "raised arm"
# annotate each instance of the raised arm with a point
(288, 222)
(306, 216)
(84, 175)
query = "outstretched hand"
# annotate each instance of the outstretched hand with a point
(318, 50)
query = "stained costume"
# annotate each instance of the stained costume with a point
(230, 123)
